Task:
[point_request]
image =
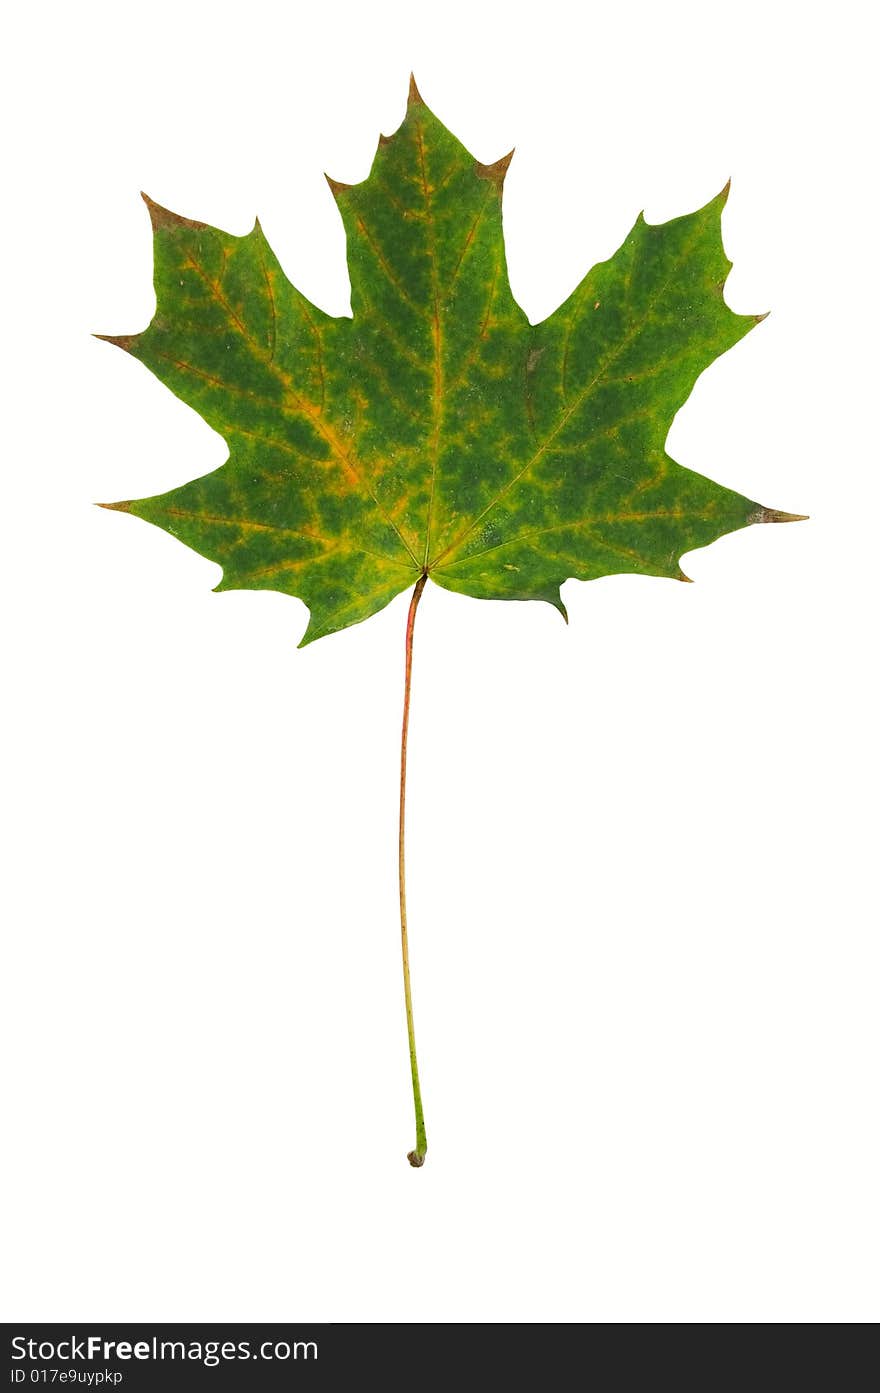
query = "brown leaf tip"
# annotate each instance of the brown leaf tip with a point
(123, 341)
(336, 188)
(774, 515)
(124, 507)
(414, 96)
(495, 172)
(163, 218)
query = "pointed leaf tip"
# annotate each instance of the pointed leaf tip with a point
(162, 218)
(774, 515)
(414, 96)
(336, 188)
(496, 172)
(123, 341)
(124, 507)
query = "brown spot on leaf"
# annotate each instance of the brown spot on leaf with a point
(774, 515)
(162, 218)
(123, 341)
(494, 172)
(336, 188)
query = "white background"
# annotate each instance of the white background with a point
(643, 919)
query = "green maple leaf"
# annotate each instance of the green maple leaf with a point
(437, 433)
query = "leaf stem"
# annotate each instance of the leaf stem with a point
(416, 1157)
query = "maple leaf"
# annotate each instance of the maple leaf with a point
(436, 431)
